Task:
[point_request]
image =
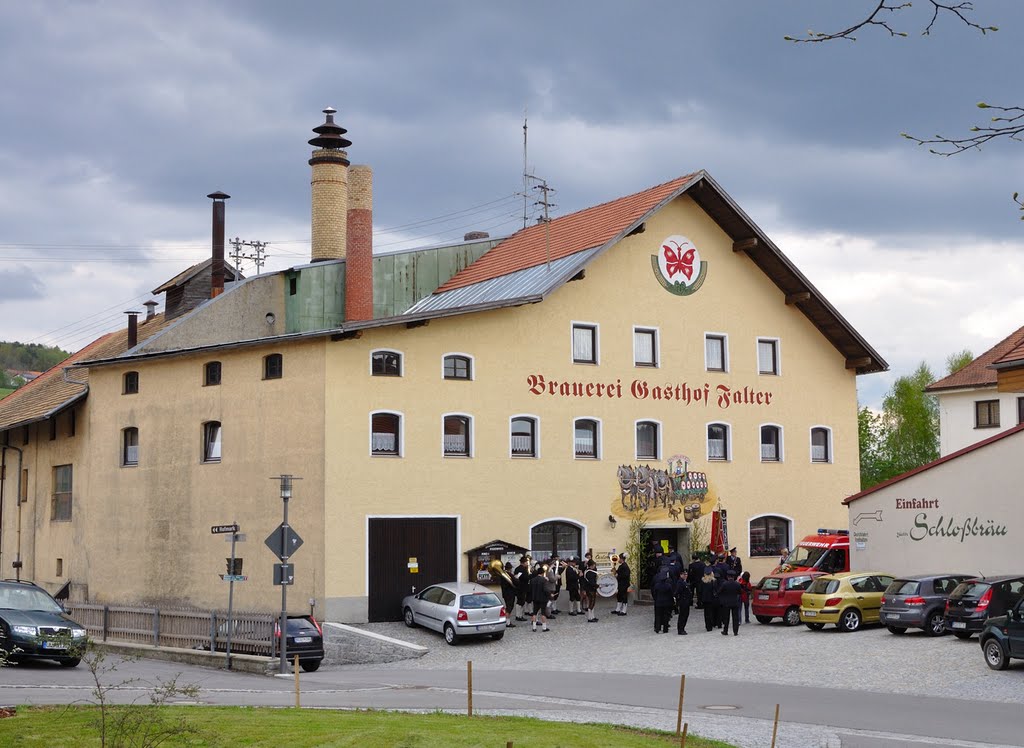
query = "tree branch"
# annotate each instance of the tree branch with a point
(878, 17)
(1009, 123)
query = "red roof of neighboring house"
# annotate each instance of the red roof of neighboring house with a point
(584, 229)
(934, 463)
(1014, 355)
(977, 373)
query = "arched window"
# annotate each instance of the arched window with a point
(523, 437)
(586, 436)
(211, 374)
(648, 440)
(456, 436)
(211, 441)
(718, 442)
(131, 383)
(130, 446)
(457, 366)
(769, 535)
(821, 444)
(771, 443)
(385, 434)
(386, 364)
(273, 366)
(561, 537)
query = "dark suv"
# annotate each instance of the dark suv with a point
(919, 602)
(305, 639)
(977, 599)
(33, 626)
(1002, 638)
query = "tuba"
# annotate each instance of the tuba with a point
(497, 570)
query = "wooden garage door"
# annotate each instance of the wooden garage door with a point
(392, 542)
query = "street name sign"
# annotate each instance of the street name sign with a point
(234, 577)
(222, 529)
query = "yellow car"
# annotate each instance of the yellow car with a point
(848, 600)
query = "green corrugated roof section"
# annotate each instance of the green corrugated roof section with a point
(399, 281)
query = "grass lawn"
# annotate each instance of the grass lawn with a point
(55, 727)
(4, 392)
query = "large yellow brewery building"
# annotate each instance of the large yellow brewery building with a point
(656, 353)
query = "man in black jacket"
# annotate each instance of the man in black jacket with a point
(572, 586)
(508, 594)
(522, 579)
(693, 576)
(622, 577)
(589, 585)
(684, 598)
(662, 592)
(540, 597)
(709, 598)
(729, 593)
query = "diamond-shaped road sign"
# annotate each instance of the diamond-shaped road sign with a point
(283, 541)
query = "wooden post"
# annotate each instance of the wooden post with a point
(508, 744)
(679, 713)
(296, 681)
(469, 686)
(775, 728)
(682, 740)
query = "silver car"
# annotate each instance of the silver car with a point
(456, 610)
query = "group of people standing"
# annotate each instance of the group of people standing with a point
(535, 591)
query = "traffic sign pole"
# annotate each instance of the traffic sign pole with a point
(231, 593)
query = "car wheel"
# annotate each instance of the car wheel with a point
(792, 617)
(995, 657)
(935, 625)
(499, 636)
(815, 626)
(449, 634)
(73, 662)
(409, 620)
(310, 666)
(896, 629)
(766, 619)
(849, 620)
(963, 634)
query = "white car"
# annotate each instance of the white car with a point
(456, 610)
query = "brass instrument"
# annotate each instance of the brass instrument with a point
(497, 570)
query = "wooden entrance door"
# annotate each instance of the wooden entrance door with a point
(392, 543)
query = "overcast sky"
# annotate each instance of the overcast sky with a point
(119, 117)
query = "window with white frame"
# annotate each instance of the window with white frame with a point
(458, 367)
(523, 436)
(767, 356)
(130, 446)
(821, 444)
(211, 441)
(768, 536)
(718, 441)
(771, 443)
(647, 441)
(584, 344)
(385, 433)
(386, 364)
(645, 346)
(585, 436)
(456, 436)
(715, 353)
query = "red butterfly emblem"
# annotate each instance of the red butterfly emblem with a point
(677, 261)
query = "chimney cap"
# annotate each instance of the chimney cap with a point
(218, 195)
(330, 134)
(473, 235)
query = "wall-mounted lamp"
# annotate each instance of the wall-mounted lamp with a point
(612, 521)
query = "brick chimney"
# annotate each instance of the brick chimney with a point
(330, 190)
(359, 258)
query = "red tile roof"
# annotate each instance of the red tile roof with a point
(1014, 355)
(587, 228)
(977, 373)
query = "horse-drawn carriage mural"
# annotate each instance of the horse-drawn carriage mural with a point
(678, 490)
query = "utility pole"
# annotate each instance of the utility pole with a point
(546, 204)
(258, 254)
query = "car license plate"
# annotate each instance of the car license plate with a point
(893, 616)
(54, 645)
(762, 597)
(303, 639)
(810, 613)
(958, 625)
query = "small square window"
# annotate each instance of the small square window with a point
(273, 366)
(386, 364)
(584, 344)
(645, 347)
(986, 414)
(768, 357)
(714, 353)
(211, 374)
(131, 383)
(457, 367)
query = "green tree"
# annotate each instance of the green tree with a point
(873, 466)
(910, 419)
(956, 361)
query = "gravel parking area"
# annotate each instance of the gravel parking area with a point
(871, 659)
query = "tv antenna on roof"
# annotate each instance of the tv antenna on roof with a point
(538, 184)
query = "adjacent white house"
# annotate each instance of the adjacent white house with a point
(971, 408)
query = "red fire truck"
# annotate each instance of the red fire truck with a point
(827, 551)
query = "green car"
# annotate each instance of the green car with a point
(33, 626)
(848, 600)
(1002, 638)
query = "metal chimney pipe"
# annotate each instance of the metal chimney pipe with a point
(217, 268)
(150, 309)
(133, 329)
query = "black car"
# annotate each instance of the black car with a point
(919, 602)
(305, 639)
(1002, 638)
(33, 626)
(977, 599)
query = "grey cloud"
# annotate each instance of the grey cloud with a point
(20, 284)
